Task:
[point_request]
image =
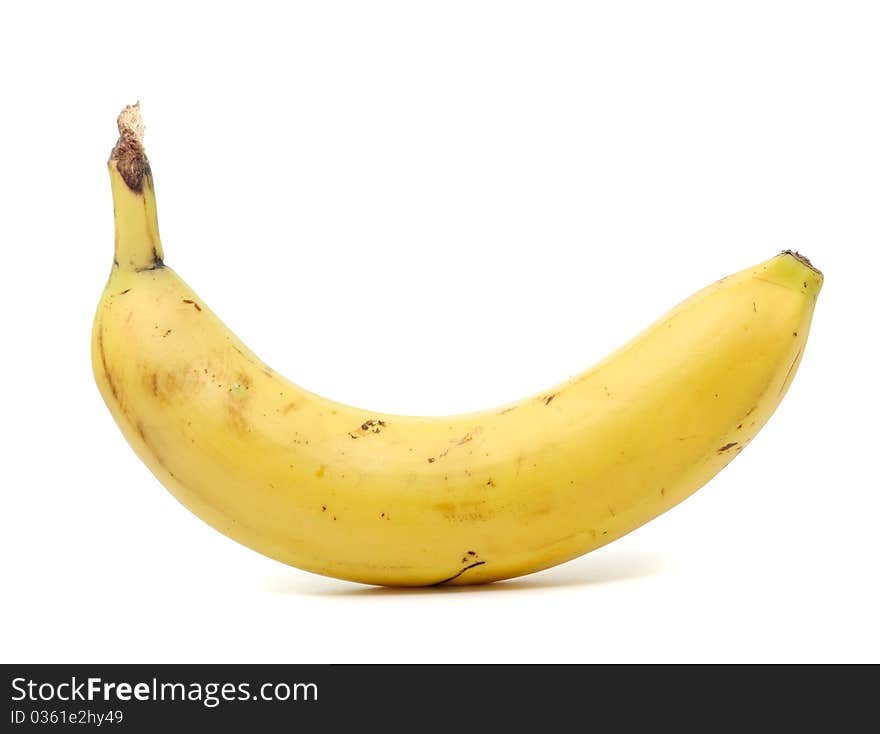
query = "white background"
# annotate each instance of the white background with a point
(437, 207)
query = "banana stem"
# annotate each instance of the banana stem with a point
(138, 246)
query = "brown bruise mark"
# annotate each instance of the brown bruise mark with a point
(470, 511)
(751, 410)
(167, 332)
(662, 491)
(122, 293)
(431, 459)
(290, 407)
(754, 307)
(465, 439)
(238, 419)
(507, 410)
(192, 303)
(490, 483)
(549, 398)
(236, 402)
(154, 384)
(727, 447)
(323, 508)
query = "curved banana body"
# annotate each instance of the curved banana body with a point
(396, 500)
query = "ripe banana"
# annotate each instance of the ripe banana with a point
(412, 501)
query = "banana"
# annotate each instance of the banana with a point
(416, 501)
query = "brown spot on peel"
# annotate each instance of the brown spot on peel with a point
(369, 426)
(727, 446)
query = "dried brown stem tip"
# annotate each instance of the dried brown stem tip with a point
(129, 155)
(802, 259)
